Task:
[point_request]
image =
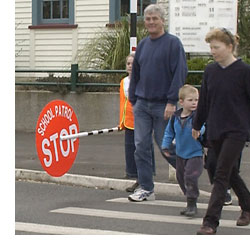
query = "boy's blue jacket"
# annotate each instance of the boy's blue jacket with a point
(186, 146)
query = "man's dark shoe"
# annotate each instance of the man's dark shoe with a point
(244, 219)
(133, 187)
(206, 230)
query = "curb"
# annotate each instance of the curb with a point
(96, 182)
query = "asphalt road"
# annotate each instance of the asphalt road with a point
(57, 209)
(103, 156)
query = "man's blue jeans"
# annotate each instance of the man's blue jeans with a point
(131, 169)
(149, 119)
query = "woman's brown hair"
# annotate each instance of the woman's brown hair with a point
(225, 36)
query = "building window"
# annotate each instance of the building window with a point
(119, 9)
(55, 11)
(52, 12)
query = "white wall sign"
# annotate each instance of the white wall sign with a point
(191, 20)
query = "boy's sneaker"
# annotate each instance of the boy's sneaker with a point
(228, 199)
(191, 209)
(142, 195)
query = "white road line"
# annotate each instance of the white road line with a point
(62, 230)
(140, 216)
(171, 204)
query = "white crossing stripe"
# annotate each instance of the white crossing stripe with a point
(171, 204)
(141, 216)
(62, 230)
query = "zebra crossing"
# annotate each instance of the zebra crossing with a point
(62, 230)
(172, 204)
(123, 215)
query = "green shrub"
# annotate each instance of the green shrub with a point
(110, 47)
(199, 64)
(196, 64)
(246, 59)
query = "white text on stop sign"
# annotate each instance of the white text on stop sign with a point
(54, 139)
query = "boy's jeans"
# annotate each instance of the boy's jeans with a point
(188, 172)
(149, 118)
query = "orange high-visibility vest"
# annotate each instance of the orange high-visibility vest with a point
(126, 109)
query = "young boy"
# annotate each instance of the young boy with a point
(189, 161)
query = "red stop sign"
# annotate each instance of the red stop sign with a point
(56, 119)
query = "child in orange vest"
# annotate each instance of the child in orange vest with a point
(127, 124)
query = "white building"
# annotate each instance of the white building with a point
(50, 33)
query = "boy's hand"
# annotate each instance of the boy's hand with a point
(166, 152)
(195, 133)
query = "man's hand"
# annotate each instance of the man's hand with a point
(195, 133)
(169, 111)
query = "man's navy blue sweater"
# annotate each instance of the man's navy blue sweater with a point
(159, 69)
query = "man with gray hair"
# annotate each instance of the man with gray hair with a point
(159, 70)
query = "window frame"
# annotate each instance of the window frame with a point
(37, 12)
(115, 10)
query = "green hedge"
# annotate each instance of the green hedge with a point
(194, 64)
(199, 64)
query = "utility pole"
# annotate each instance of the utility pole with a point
(133, 20)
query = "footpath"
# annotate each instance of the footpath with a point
(100, 163)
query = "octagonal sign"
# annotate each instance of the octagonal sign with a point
(56, 119)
